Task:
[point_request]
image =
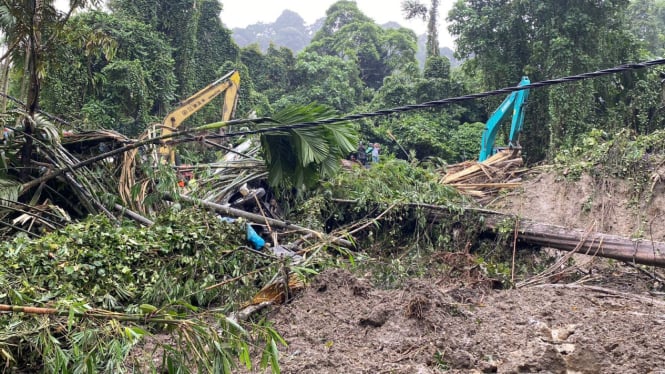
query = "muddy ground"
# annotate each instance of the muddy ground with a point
(341, 324)
(612, 320)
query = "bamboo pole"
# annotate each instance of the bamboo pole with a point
(133, 215)
(261, 220)
(93, 313)
(156, 140)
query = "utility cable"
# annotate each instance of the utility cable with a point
(441, 102)
(24, 105)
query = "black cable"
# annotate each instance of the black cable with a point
(47, 115)
(441, 102)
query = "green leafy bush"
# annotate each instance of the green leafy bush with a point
(183, 262)
(624, 155)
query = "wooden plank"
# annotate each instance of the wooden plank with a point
(500, 156)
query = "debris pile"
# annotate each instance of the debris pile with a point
(482, 180)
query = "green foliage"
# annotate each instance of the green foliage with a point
(177, 47)
(277, 72)
(427, 135)
(115, 267)
(340, 14)
(465, 141)
(249, 99)
(415, 9)
(623, 156)
(177, 21)
(328, 80)
(545, 41)
(215, 54)
(400, 50)
(571, 114)
(299, 158)
(177, 264)
(397, 90)
(402, 242)
(388, 182)
(644, 102)
(125, 91)
(9, 191)
(647, 20)
(214, 45)
(351, 35)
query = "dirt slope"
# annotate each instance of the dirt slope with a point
(608, 206)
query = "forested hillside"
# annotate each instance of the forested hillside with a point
(289, 30)
(124, 69)
(179, 197)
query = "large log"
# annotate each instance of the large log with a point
(639, 251)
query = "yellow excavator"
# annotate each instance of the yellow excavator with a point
(228, 84)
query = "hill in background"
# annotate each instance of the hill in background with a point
(290, 30)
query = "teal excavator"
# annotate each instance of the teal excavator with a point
(515, 101)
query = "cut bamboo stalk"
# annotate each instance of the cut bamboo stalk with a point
(485, 185)
(133, 215)
(257, 218)
(476, 167)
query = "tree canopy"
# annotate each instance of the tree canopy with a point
(126, 68)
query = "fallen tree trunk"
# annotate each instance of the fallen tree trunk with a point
(639, 251)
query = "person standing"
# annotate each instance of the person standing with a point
(375, 153)
(362, 154)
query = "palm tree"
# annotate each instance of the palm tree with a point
(415, 9)
(31, 28)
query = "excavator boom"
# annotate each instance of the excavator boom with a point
(514, 101)
(228, 84)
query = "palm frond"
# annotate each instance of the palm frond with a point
(304, 113)
(311, 146)
(49, 132)
(330, 166)
(344, 135)
(300, 157)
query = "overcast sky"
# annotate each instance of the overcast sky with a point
(241, 13)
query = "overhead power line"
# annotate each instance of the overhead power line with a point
(442, 102)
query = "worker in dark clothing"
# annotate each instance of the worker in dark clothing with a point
(362, 154)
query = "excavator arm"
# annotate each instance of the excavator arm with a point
(515, 101)
(228, 84)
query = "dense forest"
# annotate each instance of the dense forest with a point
(124, 68)
(112, 261)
